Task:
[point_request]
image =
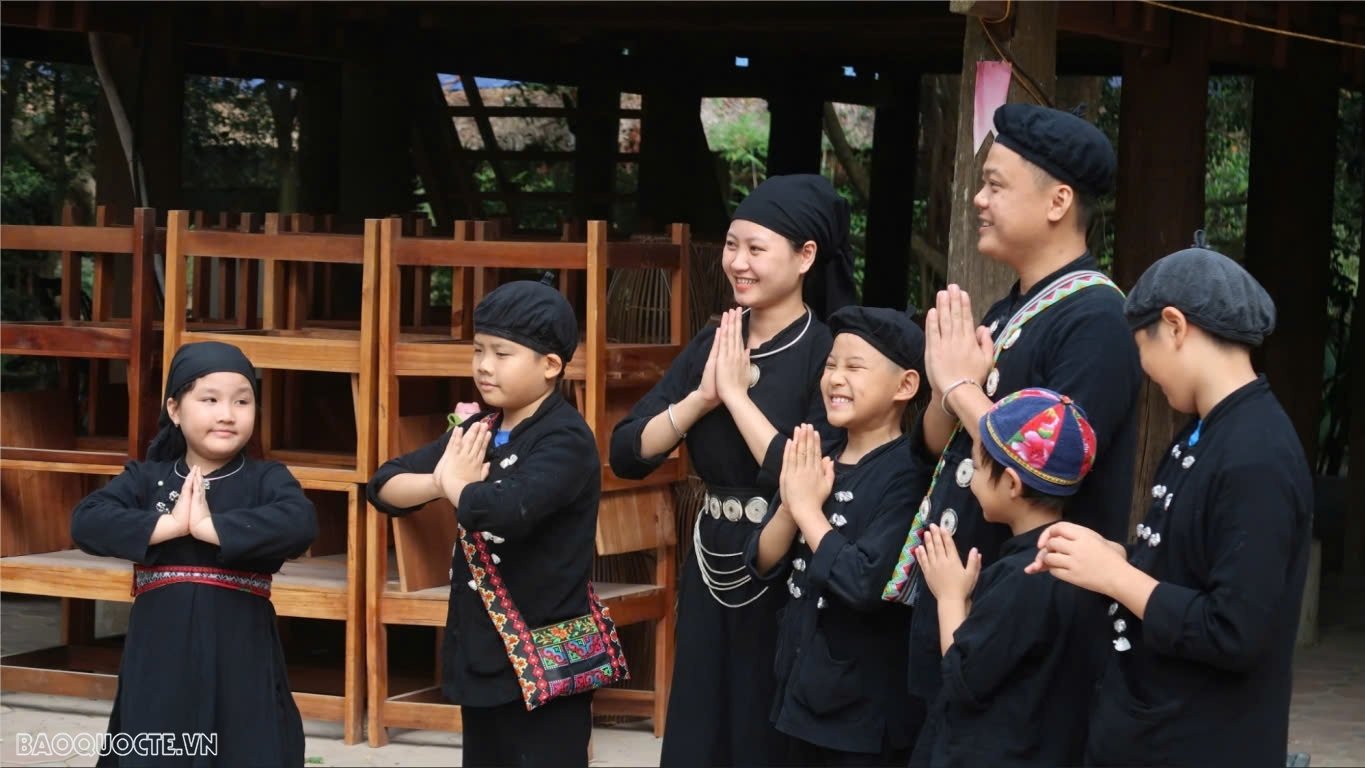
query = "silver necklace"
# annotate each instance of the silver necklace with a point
(208, 481)
(754, 372)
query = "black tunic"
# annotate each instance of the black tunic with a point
(200, 658)
(1082, 348)
(1012, 690)
(718, 706)
(1208, 676)
(541, 498)
(840, 662)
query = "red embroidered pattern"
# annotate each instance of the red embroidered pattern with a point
(149, 577)
(539, 686)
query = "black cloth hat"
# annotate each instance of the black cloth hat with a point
(891, 332)
(1214, 292)
(532, 314)
(191, 362)
(1073, 150)
(801, 207)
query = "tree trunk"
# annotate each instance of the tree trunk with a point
(1034, 51)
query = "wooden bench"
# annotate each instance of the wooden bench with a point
(410, 586)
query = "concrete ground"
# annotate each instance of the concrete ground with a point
(1327, 717)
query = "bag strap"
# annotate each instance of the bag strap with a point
(898, 589)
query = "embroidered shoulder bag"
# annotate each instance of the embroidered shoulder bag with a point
(573, 656)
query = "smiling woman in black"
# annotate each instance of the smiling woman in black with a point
(734, 394)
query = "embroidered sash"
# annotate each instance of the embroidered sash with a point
(900, 589)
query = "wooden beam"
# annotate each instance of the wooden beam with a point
(1034, 48)
(1160, 196)
(794, 133)
(596, 149)
(490, 145)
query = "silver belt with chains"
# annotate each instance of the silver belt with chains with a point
(718, 580)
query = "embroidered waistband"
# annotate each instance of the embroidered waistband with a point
(149, 577)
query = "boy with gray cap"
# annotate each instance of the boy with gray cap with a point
(1205, 601)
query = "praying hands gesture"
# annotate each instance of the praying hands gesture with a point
(955, 348)
(943, 570)
(463, 462)
(806, 481)
(196, 500)
(730, 360)
(950, 581)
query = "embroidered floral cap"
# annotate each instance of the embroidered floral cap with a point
(1044, 437)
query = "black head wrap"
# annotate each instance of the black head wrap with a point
(532, 314)
(801, 207)
(891, 332)
(191, 362)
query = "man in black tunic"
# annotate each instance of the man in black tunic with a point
(1206, 602)
(1061, 327)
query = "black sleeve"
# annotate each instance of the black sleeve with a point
(420, 462)
(771, 468)
(1093, 359)
(1002, 629)
(549, 475)
(281, 526)
(1253, 532)
(681, 379)
(116, 521)
(854, 570)
(751, 547)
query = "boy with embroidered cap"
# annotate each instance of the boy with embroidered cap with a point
(1205, 601)
(525, 479)
(1061, 327)
(834, 531)
(1012, 688)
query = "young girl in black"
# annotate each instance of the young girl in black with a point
(205, 527)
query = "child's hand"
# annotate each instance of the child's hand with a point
(807, 478)
(201, 520)
(943, 571)
(180, 513)
(462, 463)
(732, 359)
(199, 504)
(1077, 555)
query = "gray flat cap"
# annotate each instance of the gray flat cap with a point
(1214, 292)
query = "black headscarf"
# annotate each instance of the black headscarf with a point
(191, 362)
(801, 207)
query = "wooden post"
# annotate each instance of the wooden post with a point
(1034, 48)
(1160, 195)
(676, 184)
(794, 134)
(596, 128)
(158, 74)
(1289, 225)
(376, 166)
(1353, 547)
(895, 138)
(320, 141)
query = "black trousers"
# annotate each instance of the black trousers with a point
(507, 735)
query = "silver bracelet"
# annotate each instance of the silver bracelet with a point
(681, 434)
(943, 402)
